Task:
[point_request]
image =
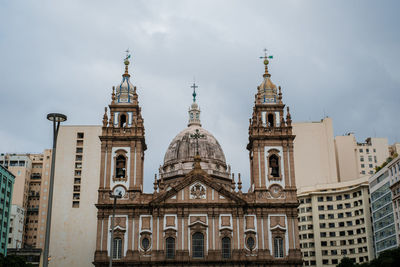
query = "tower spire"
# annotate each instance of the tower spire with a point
(126, 62)
(194, 111)
(266, 62)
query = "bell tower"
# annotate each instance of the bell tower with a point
(270, 140)
(122, 140)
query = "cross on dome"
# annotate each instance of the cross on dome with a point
(194, 111)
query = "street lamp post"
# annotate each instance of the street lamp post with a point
(56, 118)
(116, 194)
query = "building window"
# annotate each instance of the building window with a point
(117, 248)
(278, 247)
(361, 158)
(198, 245)
(170, 247)
(226, 248)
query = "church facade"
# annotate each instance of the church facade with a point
(197, 214)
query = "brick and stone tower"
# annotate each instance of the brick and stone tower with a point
(122, 156)
(122, 140)
(272, 176)
(271, 140)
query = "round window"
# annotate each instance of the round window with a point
(250, 242)
(145, 243)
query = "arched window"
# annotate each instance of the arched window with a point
(270, 120)
(274, 165)
(250, 242)
(117, 248)
(198, 245)
(226, 248)
(278, 247)
(170, 247)
(121, 167)
(122, 121)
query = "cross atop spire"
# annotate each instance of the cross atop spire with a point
(126, 62)
(266, 62)
(194, 86)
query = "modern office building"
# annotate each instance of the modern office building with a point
(334, 222)
(6, 184)
(394, 176)
(383, 218)
(16, 229)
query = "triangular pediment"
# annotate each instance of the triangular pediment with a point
(197, 187)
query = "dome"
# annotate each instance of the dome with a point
(125, 91)
(183, 147)
(179, 158)
(267, 84)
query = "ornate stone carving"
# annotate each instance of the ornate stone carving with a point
(197, 191)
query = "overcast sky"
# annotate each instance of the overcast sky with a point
(337, 58)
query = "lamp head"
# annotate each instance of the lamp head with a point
(57, 117)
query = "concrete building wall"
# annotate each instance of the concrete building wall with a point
(74, 226)
(347, 157)
(16, 229)
(314, 153)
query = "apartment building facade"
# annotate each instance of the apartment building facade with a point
(16, 228)
(32, 173)
(334, 222)
(357, 159)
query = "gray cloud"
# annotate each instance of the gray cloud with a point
(331, 58)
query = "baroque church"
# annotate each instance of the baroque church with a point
(198, 214)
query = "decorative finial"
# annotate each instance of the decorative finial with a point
(126, 61)
(105, 117)
(155, 183)
(288, 117)
(266, 61)
(240, 184)
(194, 86)
(113, 94)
